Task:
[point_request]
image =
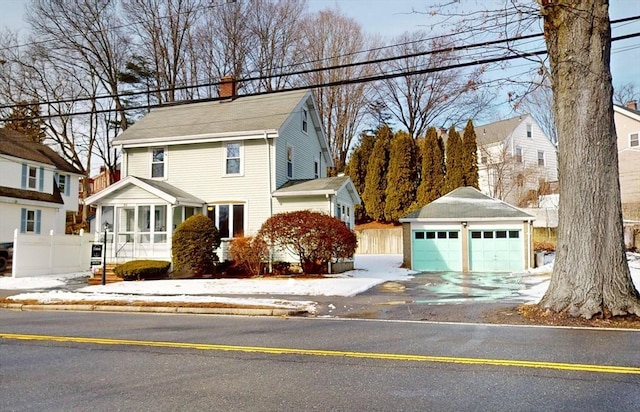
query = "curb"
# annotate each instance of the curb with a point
(158, 309)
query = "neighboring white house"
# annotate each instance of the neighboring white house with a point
(467, 231)
(627, 120)
(37, 187)
(516, 160)
(238, 160)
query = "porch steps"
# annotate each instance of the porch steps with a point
(110, 276)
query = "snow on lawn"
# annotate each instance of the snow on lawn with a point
(370, 270)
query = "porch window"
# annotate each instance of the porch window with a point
(152, 223)
(233, 164)
(228, 218)
(106, 216)
(157, 162)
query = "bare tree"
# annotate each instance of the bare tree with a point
(419, 100)
(165, 28)
(332, 39)
(591, 273)
(626, 93)
(276, 37)
(539, 103)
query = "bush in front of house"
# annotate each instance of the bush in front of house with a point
(142, 269)
(316, 238)
(193, 245)
(249, 253)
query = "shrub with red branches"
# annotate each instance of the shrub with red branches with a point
(316, 238)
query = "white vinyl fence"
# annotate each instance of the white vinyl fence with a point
(41, 255)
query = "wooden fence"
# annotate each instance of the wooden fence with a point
(380, 241)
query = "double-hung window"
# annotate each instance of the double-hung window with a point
(30, 221)
(634, 140)
(157, 162)
(540, 158)
(529, 131)
(33, 177)
(305, 117)
(290, 162)
(233, 158)
(518, 154)
(228, 218)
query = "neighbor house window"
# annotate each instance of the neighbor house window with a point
(228, 218)
(540, 158)
(64, 183)
(316, 168)
(32, 177)
(157, 162)
(305, 116)
(30, 221)
(634, 140)
(529, 134)
(518, 154)
(233, 158)
(290, 162)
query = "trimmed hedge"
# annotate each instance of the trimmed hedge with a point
(142, 269)
(193, 246)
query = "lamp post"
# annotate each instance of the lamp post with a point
(104, 254)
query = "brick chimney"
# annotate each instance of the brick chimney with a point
(227, 87)
(632, 104)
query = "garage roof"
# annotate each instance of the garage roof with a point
(467, 203)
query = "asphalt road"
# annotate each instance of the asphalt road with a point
(59, 361)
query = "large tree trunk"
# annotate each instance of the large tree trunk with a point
(591, 274)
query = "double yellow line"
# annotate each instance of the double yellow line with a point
(334, 353)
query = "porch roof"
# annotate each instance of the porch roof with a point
(163, 190)
(321, 186)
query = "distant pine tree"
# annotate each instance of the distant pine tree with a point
(454, 177)
(401, 177)
(25, 118)
(357, 170)
(470, 156)
(432, 169)
(374, 195)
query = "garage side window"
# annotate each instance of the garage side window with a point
(419, 235)
(514, 234)
(476, 235)
(453, 235)
(431, 235)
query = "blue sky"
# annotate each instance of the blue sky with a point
(389, 18)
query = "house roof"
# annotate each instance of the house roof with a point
(23, 194)
(497, 131)
(192, 121)
(467, 203)
(634, 114)
(314, 187)
(163, 190)
(16, 144)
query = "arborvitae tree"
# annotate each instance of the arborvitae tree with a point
(357, 170)
(432, 171)
(401, 177)
(454, 177)
(470, 156)
(374, 195)
(24, 118)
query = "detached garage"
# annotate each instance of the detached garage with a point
(467, 231)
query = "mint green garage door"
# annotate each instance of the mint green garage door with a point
(496, 251)
(436, 250)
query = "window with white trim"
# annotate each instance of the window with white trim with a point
(529, 130)
(228, 218)
(289, 162)
(62, 183)
(233, 158)
(540, 158)
(634, 140)
(30, 220)
(157, 162)
(518, 154)
(305, 116)
(32, 177)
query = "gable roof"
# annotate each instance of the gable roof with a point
(163, 190)
(626, 111)
(220, 118)
(16, 144)
(467, 203)
(321, 186)
(498, 131)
